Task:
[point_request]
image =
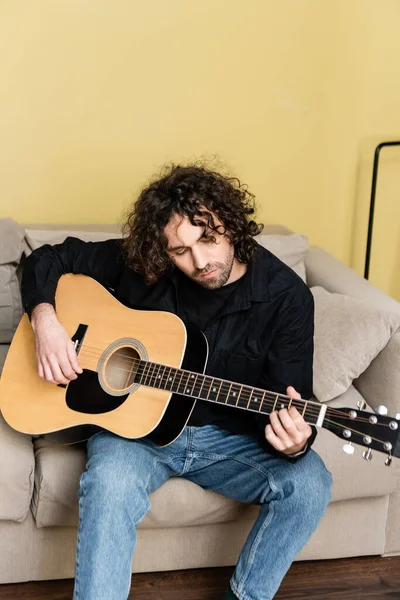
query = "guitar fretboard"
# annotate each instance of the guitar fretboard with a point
(221, 391)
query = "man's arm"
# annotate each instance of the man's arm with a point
(44, 267)
(55, 353)
(290, 363)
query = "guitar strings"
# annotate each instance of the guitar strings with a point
(273, 395)
(354, 431)
(337, 426)
(312, 409)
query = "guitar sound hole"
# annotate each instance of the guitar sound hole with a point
(121, 368)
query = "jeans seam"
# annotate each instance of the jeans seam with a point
(239, 588)
(78, 544)
(189, 454)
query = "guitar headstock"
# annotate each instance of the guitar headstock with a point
(374, 431)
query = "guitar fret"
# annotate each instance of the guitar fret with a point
(138, 375)
(282, 404)
(194, 393)
(217, 397)
(180, 382)
(173, 381)
(203, 390)
(237, 399)
(146, 372)
(242, 400)
(189, 389)
(304, 409)
(183, 383)
(164, 379)
(171, 378)
(209, 390)
(156, 374)
(215, 390)
(256, 401)
(229, 391)
(153, 368)
(250, 397)
(201, 387)
(233, 394)
(161, 377)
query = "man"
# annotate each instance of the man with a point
(189, 249)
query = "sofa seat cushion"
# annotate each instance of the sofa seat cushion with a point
(177, 503)
(11, 244)
(182, 503)
(17, 465)
(3, 353)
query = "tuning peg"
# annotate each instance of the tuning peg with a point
(388, 461)
(348, 448)
(367, 455)
(361, 404)
(381, 410)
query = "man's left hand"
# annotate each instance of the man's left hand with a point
(288, 432)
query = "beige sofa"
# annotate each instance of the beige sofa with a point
(188, 527)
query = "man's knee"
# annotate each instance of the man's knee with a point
(310, 485)
(111, 477)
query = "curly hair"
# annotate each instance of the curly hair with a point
(187, 190)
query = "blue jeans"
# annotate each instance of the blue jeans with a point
(121, 474)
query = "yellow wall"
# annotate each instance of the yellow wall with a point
(96, 96)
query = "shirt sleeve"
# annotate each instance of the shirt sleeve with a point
(43, 268)
(290, 362)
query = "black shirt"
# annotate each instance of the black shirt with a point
(199, 306)
(262, 336)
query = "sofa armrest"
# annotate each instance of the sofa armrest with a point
(380, 383)
(17, 465)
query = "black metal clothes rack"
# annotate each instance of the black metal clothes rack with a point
(372, 202)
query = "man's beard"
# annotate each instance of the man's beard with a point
(221, 277)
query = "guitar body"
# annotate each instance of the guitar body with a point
(111, 340)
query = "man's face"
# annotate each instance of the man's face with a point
(193, 250)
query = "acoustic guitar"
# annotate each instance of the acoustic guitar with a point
(142, 374)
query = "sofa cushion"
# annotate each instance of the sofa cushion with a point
(176, 503)
(11, 240)
(292, 249)
(182, 503)
(34, 238)
(17, 466)
(349, 334)
(3, 353)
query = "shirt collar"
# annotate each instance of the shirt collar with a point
(255, 284)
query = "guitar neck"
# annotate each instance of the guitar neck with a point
(221, 391)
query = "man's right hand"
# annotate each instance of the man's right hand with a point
(55, 352)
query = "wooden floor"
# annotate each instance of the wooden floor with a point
(370, 578)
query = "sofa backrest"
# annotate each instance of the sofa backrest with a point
(18, 241)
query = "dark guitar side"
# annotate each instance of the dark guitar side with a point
(180, 407)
